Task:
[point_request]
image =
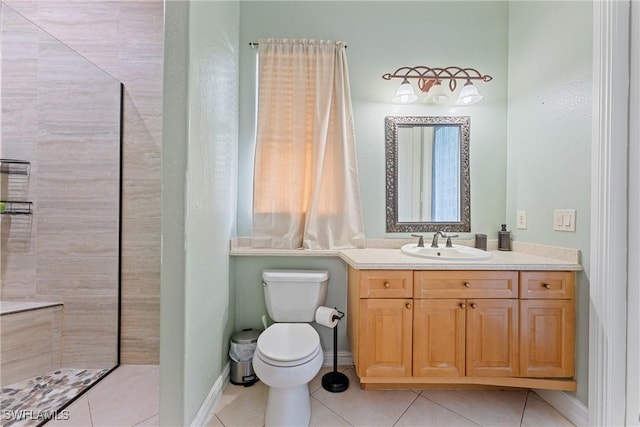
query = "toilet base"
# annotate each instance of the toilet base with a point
(288, 407)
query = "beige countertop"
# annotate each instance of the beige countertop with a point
(525, 256)
(393, 259)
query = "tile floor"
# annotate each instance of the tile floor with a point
(129, 397)
(244, 406)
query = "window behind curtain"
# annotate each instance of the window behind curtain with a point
(446, 174)
(306, 190)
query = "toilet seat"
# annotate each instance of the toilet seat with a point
(288, 344)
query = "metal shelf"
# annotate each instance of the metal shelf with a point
(15, 167)
(15, 208)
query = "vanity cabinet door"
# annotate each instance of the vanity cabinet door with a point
(439, 338)
(547, 324)
(547, 338)
(385, 337)
(492, 337)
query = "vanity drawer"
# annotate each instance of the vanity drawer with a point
(547, 284)
(466, 284)
(386, 284)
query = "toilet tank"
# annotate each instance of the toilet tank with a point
(294, 295)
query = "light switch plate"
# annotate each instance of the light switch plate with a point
(522, 220)
(564, 220)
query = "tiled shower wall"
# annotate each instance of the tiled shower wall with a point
(62, 114)
(125, 38)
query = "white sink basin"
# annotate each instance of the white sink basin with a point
(456, 253)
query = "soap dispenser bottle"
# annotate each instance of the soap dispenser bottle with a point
(504, 239)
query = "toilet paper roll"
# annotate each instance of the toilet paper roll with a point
(326, 316)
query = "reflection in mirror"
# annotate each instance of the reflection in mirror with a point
(427, 174)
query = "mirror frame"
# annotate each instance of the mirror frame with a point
(392, 123)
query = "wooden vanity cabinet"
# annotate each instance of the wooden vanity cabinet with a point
(474, 328)
(492, 338)
(385, 340)
(439, 344)
(547, 324)
(385, 318)
(475, 334)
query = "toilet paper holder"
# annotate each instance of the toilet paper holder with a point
(335, 382)
(339, 316)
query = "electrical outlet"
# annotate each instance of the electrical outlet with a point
(522, 220)
(564, 220)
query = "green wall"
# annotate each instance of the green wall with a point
(174, 163)
(199, 197)
(549, 135)
(530, 137)
(381, 37)
(529, 147)
(250, 295)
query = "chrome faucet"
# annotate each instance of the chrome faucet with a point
(420, 240)
(449, 245)
(434, 242)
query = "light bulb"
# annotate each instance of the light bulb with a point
(437, 94)
(405, 93)
(469, 95)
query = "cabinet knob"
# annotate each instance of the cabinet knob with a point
(467, 284)
(387, 285)
(463, 305)
(474, 305)
(546, 286)
(408, 305)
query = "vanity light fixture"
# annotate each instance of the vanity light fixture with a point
(430, 82)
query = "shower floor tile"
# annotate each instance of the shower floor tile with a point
(30, 402)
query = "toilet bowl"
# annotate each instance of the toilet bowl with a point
(288, 353)
(287, 357)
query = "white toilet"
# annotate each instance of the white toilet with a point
(288, 353)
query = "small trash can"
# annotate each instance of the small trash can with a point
(243, 345)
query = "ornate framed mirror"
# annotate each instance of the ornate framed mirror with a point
(427, 173)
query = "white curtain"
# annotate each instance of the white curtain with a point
(306, 191)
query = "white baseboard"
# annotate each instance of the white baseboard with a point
(209, 405)
(344, 358)
(570, 407)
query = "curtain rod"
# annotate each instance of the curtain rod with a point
(255, 45)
